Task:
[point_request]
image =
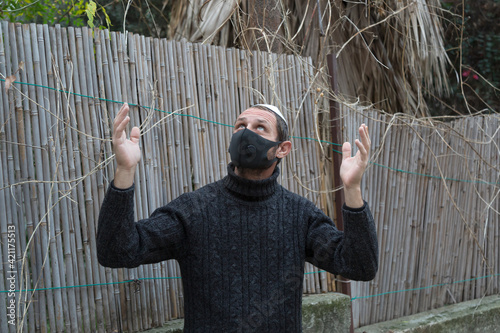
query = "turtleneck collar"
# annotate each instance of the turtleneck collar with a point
(250, 189)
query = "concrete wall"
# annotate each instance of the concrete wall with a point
(331, 313)
(328, 313)
(476, 316)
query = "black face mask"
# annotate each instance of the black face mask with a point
(249, 150)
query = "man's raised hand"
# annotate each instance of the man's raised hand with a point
(127, 151)
(353, 168)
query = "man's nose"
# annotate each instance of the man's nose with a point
(254, 129)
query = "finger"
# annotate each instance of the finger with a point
(119, 130)
(135, 134)
(368, 137)
(362, 150)
(346, 151)
(121, 115)
(365, 137)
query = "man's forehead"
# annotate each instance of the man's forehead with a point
(261, 115)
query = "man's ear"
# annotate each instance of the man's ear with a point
(284, 149)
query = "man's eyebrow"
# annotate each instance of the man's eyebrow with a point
(259, 120)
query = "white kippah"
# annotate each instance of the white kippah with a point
(273, 109)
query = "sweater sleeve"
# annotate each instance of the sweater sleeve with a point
(352, 253)
(121, 242)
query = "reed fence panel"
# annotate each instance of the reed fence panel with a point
(57, 160)
(434, 191)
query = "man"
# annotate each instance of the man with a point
(241, 242)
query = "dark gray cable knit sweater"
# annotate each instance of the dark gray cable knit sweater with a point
(241, 246)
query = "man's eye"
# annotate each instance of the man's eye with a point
(260, 128)
(241, 126)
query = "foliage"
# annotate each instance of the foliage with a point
(475, 54)
(145, 17)
(72, 13)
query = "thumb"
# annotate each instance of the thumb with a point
(135, 134)
(346, 150)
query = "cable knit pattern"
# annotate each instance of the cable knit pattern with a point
(241, 246)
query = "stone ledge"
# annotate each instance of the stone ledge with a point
(330, 312)
(476, 316)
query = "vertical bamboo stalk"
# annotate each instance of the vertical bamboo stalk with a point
(78, 151)
(239, 79)
(18, 135)
(27, 171)
(105, 151)
(106, 91)
(291, 168)
(129, 317)
(192, 110)
(137, 297)
(384, 201)
(170, 177)
(38, 195)
(155, 287)
(413, 208)
(211, 111)
(90, 128)
(480, 250)
(204, 129)
(178, 166)
(159, 285)
(132, 298)
(181, 92)
(227, 115)
(47, 216)
(71, 321)
(4, 181)
(215, 110)
(57, 170)
(439, 265)
(172, 144)
(53, 217)
(10, 157)
(466, 248)
(86, 148)
(147, 270)
(402, 232)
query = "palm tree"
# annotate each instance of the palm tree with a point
(390, 53)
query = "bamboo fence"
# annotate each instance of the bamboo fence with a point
(434, 188)
(56, 164)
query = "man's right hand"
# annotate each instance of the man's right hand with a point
(127, 151)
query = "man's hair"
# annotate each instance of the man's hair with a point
(281, 125)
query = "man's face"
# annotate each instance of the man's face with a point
(259, 121)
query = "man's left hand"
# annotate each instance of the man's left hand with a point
(353, 167)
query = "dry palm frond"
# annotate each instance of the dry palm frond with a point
(198, 20)
(388, 52)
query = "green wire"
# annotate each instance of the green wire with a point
(178, 277)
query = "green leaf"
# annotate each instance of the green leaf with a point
(90, 10)
(108, 20)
